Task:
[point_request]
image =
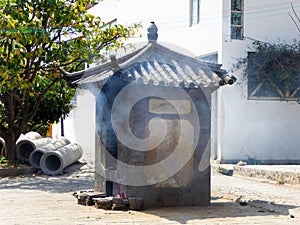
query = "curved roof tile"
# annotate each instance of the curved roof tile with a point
(155, 64)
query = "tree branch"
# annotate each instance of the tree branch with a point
(38, 101)
(298, 28)
(297, 17)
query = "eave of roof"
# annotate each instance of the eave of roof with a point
(155, 64)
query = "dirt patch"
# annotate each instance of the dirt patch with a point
(9, 169)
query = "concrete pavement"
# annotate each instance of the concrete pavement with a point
(40, 199)
(278, 174)
(281, 198)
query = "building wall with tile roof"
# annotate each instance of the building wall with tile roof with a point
(266, 130)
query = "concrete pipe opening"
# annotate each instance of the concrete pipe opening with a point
(37, 154)
(24, 150)
(52, 164)
(25, 147)
(35, 158)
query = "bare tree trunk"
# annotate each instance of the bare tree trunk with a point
(10, 143)
(11, 150)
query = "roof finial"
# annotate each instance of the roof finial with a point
(152, 32)
(114, 62)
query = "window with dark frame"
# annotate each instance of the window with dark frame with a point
(194, 12)
(236, 20)
(272, 86)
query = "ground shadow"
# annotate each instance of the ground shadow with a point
(75, 177)
(283, 209)
(80, 176)
(219, 208)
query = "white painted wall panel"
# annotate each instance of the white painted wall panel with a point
(263, 130)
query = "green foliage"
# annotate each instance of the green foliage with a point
(220, 169)
(36, 38)
(273, 68)
(3, 160)
(54, 104)
(280, 182)
(278, 62)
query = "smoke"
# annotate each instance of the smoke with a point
(134, 120)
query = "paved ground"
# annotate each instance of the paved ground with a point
(275, 197)
(48, 200)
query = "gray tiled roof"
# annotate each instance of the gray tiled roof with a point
(155, 64)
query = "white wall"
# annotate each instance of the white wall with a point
(172, 20)
(244, 128)
(264, 130)
(266, 20)
(79, 126)
(84, 123)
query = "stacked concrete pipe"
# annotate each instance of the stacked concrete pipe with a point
(36, 155)
(27, 143)
(2, 146)
(54, 162)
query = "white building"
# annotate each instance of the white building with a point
(263, 130)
